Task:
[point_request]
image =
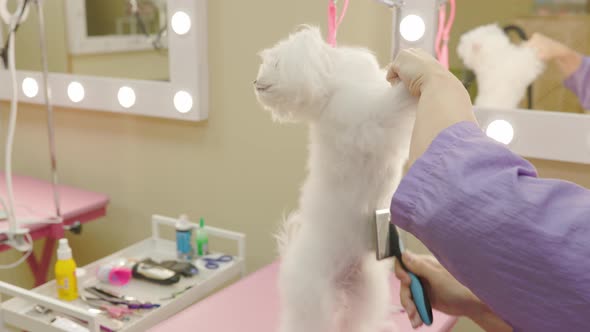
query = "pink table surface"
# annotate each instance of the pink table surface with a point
(34, 200)
(251, 305)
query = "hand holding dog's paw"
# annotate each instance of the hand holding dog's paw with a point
(547, 49)
(416, 69)
(443, 101)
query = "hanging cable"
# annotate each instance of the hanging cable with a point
(49, 105)
(157, 39)
(12, 30)
(14, 23)
(23, 258)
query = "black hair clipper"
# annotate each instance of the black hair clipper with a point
(389, 244)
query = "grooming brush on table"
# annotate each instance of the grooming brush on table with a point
(389, 244)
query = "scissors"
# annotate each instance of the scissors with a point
(213, 263)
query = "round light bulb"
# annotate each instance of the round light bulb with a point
(183, 101)
(412, 28)
(75, 92)
(30, 87)
(126, 96)
(181, 22)
(501, 131)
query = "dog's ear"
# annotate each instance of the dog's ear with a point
(308, 38)
(311, 61)
(304, 62)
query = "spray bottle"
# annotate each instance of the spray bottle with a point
(184, 234)
(202, 239)
(65, 272)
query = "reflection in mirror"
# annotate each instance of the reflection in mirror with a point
(573, 32)
(566, 23)
(104, 19)
(117, 17)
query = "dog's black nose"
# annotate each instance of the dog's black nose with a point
(254, 82)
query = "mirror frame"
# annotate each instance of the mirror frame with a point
(80, 43)
(538, 134)
(153, 98)
(547, 135)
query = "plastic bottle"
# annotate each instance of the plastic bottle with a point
(202, 239)
(65, 272)
(184, 234)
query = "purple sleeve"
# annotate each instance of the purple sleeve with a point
(520, 243)
(579, 83)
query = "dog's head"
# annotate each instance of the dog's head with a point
(293, 79)
(480, 43)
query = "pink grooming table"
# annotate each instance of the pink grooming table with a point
(252, 304)
(34, 200)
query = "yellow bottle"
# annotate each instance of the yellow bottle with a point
(65, 272)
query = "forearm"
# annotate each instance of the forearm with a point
(569, 62)
(579, 79)
(489, 321)
(450, 110)
(518, 242)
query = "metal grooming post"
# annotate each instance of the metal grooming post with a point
(427, 10)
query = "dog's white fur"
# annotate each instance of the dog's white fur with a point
(359, 132)
(503, 70)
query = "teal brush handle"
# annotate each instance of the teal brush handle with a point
(420, 299)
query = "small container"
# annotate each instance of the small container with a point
(65, 272)
(202, 239)
(184, 234)
(116, 273)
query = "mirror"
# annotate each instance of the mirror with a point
(567, 22)
(117, 78)
(109, 38)
(133, 17)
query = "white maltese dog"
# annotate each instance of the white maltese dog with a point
(359, 128)
(503, 70)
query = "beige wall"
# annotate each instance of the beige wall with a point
(238, 169)
(473, 13)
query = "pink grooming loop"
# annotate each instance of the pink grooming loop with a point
(334, 21)
(443, 34)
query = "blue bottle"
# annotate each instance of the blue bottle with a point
(184, 234)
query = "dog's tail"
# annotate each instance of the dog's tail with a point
(287, 231)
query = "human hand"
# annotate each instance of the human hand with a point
(443, 101)
(446, 293)
(416, 69)
(547, 49)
